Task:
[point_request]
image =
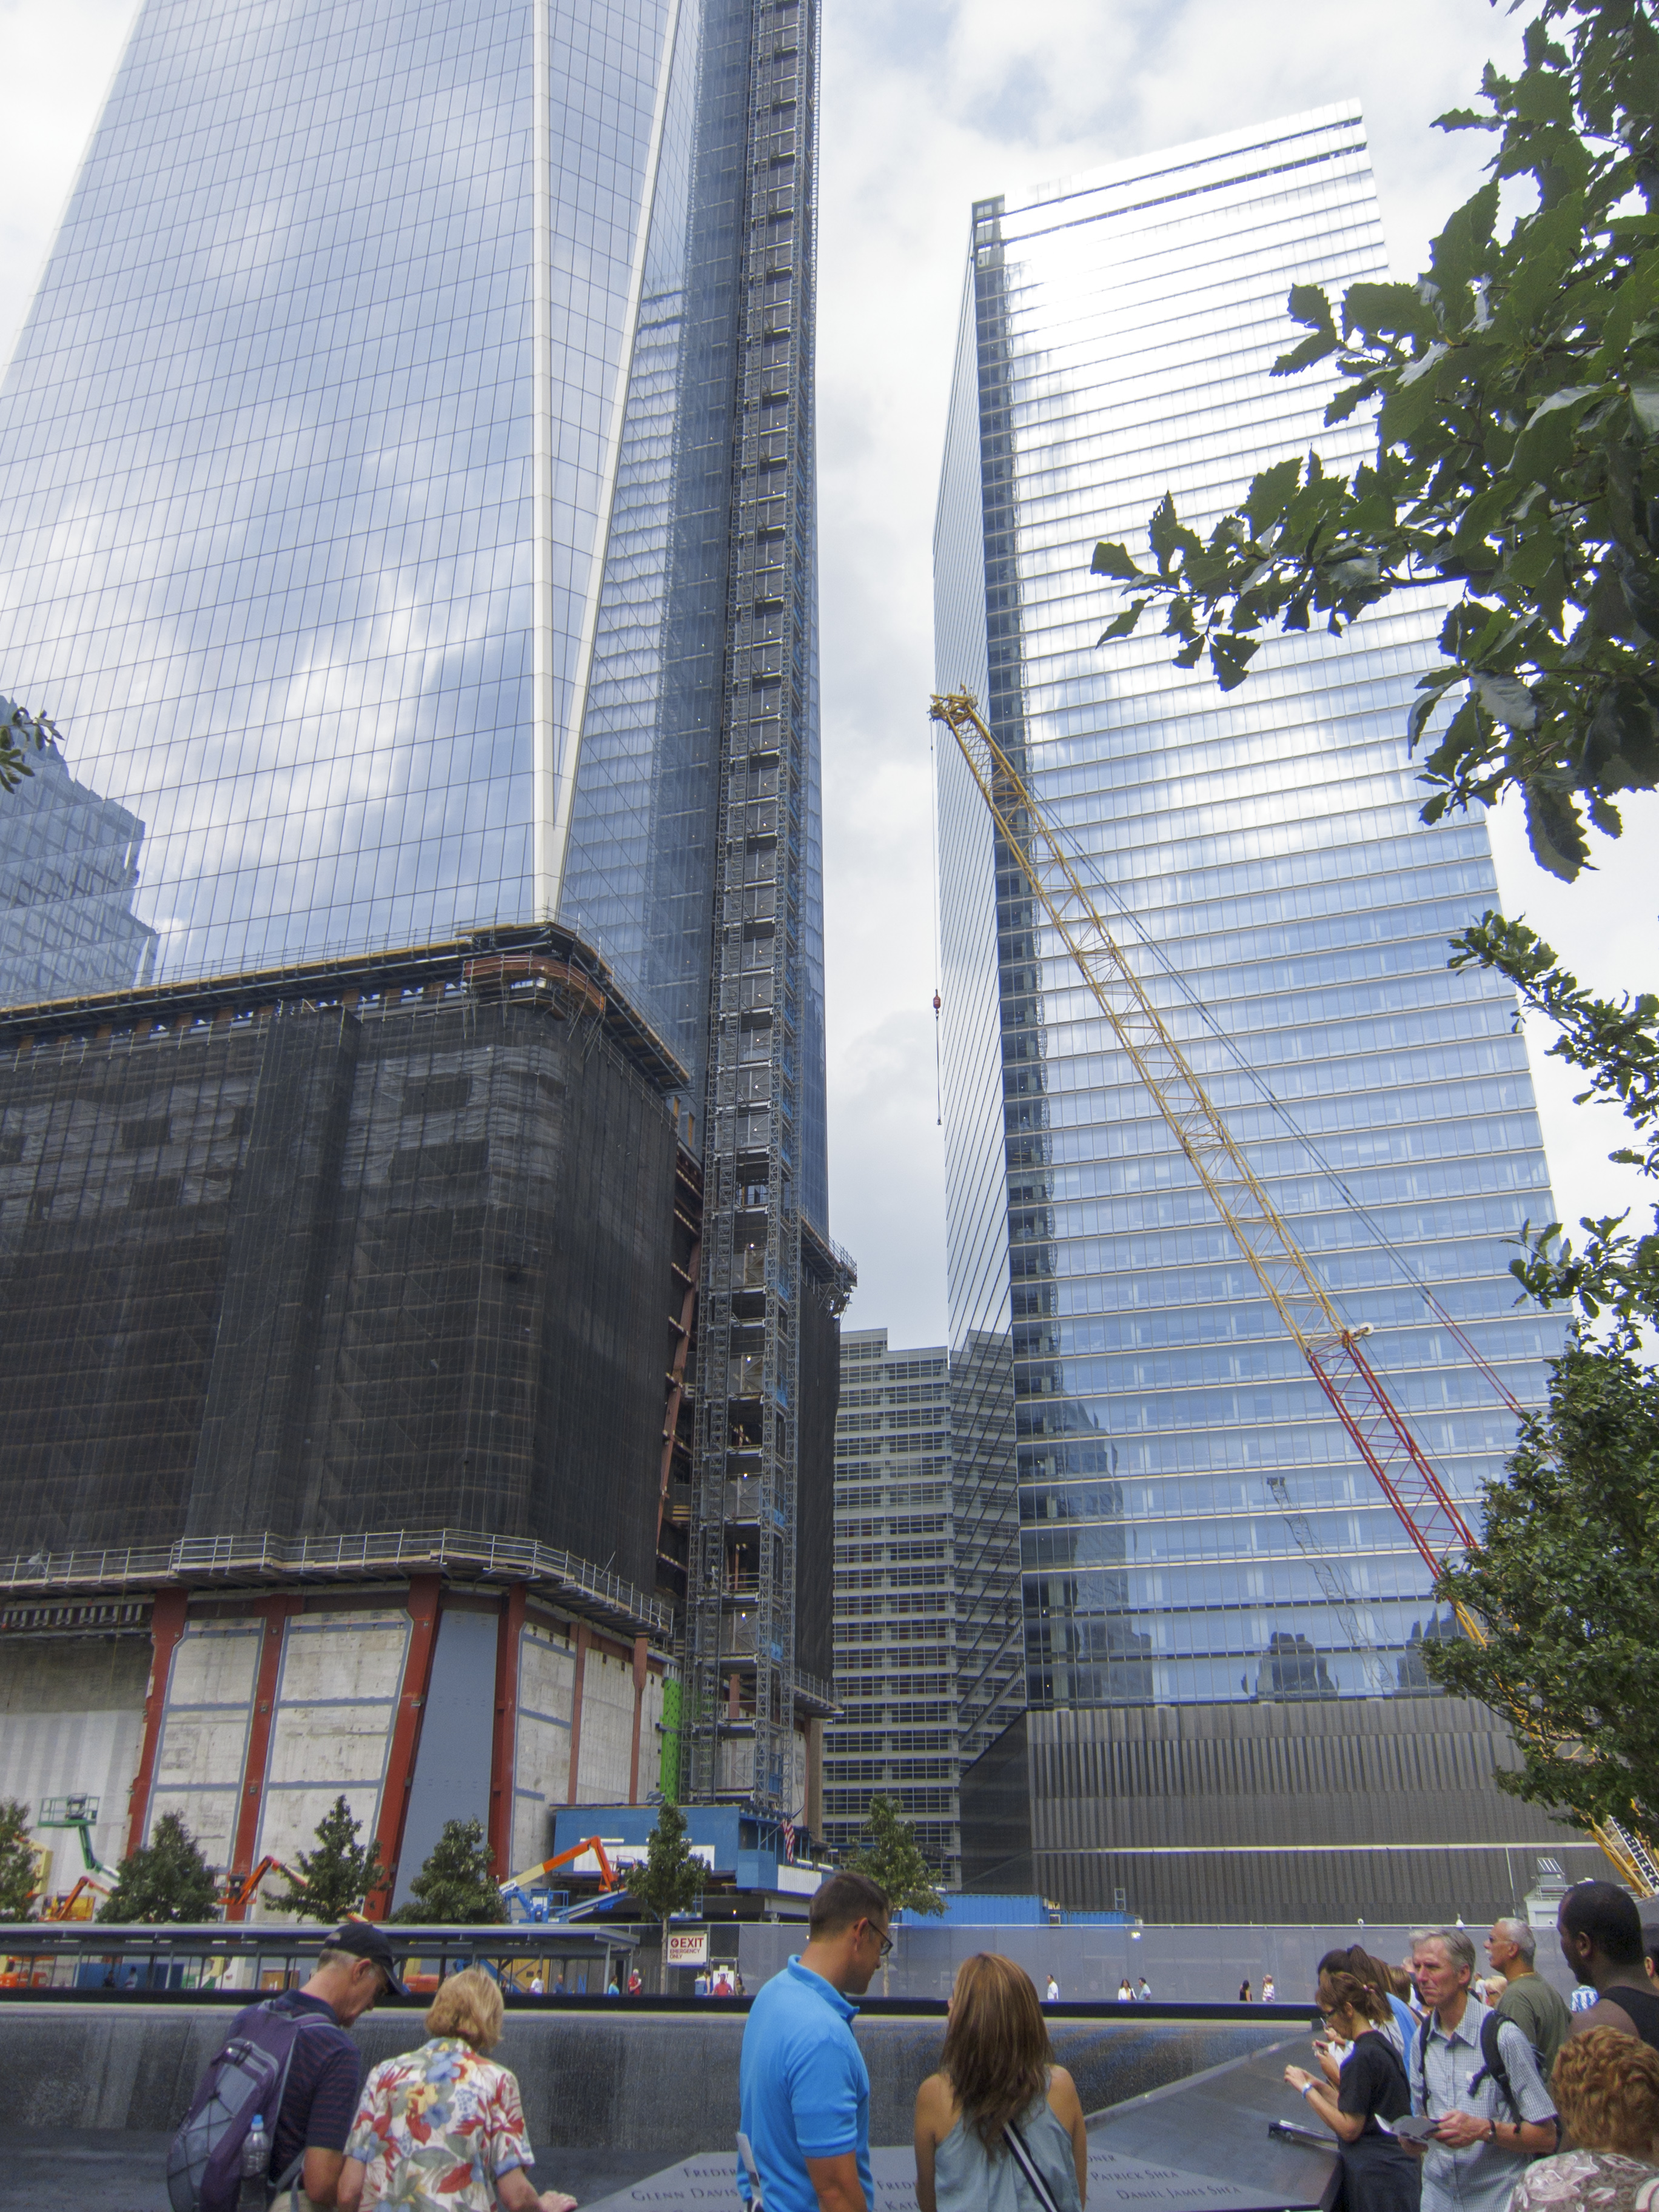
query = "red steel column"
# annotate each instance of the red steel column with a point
(508, 1632)
(424, 1591)
(273, 1614)
(640, 1648)
(166, 1625)
(576, 1711)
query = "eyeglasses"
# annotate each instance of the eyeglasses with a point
(886, 1941)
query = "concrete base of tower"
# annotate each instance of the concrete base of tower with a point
(1342, 1810)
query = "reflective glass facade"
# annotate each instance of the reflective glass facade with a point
(1196, 1526)
(367, 484)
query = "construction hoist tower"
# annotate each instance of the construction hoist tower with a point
(1331, 1347)
(739, 1722)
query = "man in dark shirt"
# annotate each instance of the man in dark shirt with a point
(354, 1968)
(1602, 1940)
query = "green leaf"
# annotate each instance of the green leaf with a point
(1389, 310)
(1310, 305)
(1645, 406)
(1169, 535)
(1229, 657)
(1121, 625)
(1507, 700)
(1543, 96)
(1271, 492)
(1554, 830)
(1460, 252)
(1113, 560)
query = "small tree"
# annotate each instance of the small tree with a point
(18, 1869)
(671, 1880)
(1565, 1583)
(458, 1882)
(894, 1861)
(165, 1879)
(334, 1879)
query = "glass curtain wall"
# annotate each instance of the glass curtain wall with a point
(366, 487)
(1195, 1525)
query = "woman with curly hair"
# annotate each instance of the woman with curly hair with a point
(440, 2129)
(999, 2128)
(1379, 2174)
(1606, 2086)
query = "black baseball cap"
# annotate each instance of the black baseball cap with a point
(365, 1940)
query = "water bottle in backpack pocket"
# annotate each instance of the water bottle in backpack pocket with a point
(242, 2090)
(254, 2193)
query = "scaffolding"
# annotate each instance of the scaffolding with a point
(740, 1660)
(335, 1254)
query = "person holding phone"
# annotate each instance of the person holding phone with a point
(1379, 2174)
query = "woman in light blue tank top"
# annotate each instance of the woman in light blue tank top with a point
(996, 2073)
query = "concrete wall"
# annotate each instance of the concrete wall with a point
(1184, 1965)
(654, 2083)
(336, 1695)
(71, 1720)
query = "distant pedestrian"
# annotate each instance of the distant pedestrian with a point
(999, 2109)
(1051, 1995)
(612, 1987)
(1379, 2174)
(1540, 2012)
(1600, 1933)
(441, 2129)
(1125, 1994)
(535, 1985)
(1485, 2133)
(635, 1982)
(804, 2088)
(1144, 1992)
(1244, 1995)
(1606, 2086)
(1268, 1989)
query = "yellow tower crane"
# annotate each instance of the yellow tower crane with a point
(1425, 1509)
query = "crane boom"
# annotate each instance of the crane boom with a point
(1422, 1504)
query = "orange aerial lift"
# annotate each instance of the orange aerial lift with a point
(1426, 1510)
(517, 1887)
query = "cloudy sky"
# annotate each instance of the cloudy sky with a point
(929, 105)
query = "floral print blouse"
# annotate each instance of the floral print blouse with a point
(1586, 2181)
(436, 2127)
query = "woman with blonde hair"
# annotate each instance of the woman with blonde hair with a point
(442, 2127)
(1606, 2086)
(999, 2128)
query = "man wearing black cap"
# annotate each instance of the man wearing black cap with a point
(354, 1968)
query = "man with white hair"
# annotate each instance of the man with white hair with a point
(1540, 2012)
(1484, 2133)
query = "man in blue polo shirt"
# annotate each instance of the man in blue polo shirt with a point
(804, 2086)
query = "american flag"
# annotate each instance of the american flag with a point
(788, 1828)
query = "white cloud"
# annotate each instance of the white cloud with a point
(926, 107)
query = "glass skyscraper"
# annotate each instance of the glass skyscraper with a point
(1208, 1569)
(366, 476)
(407, 490)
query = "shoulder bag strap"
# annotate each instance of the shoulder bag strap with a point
(1027, 2166)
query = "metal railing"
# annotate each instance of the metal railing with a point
(585, 1587)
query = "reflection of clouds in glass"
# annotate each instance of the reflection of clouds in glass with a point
(1118, 341)
(265, 455)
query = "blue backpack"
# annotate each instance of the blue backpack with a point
(244, 2079)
